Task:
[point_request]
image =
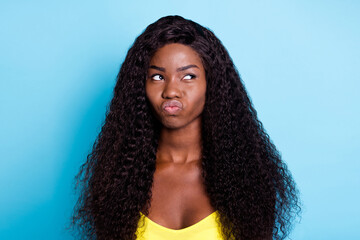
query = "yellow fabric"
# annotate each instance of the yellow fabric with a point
(207, 228)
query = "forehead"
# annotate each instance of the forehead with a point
(174, 55)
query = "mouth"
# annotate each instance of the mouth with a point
(172, 107)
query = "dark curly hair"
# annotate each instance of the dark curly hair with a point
(244, 176)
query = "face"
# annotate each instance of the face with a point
(176, 85)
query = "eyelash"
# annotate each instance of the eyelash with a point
(152, 77)
(192, 76)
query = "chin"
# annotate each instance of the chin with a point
(172, 124)
(175, 122)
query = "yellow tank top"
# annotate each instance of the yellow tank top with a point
(207, 228)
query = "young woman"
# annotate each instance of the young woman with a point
(181, 154)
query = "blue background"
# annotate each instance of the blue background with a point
(58, 63)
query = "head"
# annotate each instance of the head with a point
(206, 50)
(244, 176)
(176, 86)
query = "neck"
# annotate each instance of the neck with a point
(181, 145)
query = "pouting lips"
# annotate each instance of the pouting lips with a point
(172, 106)
(172, 103)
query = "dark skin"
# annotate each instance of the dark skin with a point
(179, 199)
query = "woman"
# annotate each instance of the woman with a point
(182, 148)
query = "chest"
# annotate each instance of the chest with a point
(179, 197)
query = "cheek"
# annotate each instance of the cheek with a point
(201, 91)
(152, 101)
(202, 98)
(199, 100)
(152, 97)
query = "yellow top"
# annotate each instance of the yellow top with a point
(207, 228)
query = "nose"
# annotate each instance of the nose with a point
(171, 89)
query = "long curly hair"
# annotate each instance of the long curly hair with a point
(244, 176)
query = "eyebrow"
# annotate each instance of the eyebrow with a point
(180, 69)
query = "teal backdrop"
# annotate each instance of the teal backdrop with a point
(299, 60)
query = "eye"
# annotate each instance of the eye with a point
(157, 77)
(189, 76)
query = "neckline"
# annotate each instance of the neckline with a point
(186, 229)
